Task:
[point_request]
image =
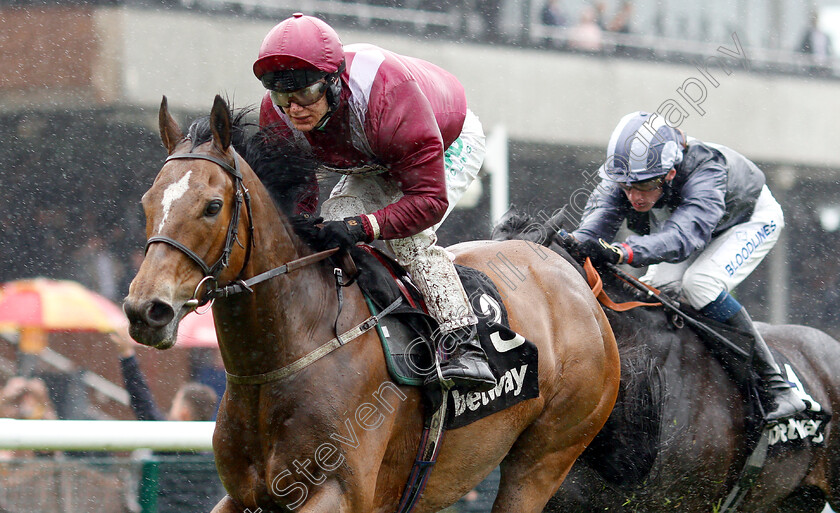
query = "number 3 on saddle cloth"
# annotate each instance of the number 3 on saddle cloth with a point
(406, 334)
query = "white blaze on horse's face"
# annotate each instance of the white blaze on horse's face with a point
(173, 192)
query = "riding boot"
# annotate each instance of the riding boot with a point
(467, 367)
(779, 399)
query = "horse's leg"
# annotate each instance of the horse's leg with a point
(527, 485)
(332, 497)
(544, 453)
(327, 499)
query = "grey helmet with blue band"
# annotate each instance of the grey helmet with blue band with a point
(642, 147)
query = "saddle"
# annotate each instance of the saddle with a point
(407, 336)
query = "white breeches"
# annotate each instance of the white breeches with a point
(728, 259)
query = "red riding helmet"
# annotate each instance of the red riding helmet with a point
(300, 42)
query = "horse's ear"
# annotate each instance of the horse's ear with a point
(220, 124)
(170, 132)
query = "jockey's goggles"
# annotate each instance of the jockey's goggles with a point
(643, 186)
(291, 79)
(303, 97)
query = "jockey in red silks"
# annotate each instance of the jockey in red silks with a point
(399, 130)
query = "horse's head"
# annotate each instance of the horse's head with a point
(197, 227)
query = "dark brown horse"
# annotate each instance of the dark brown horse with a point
(336, 435)
(678, 437)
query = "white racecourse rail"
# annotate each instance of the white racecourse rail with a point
(105, 435)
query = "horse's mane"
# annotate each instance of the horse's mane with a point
(517, 223)
(285, 170)
(200, 131)
(514, 221)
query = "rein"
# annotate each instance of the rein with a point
(674, 307)
(242, 285)
(597, 287)
(315, 355)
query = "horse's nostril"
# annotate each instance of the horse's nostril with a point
(154, 313)
(159, 313)
(133, 311)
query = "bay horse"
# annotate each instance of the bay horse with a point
(677, 439)
(335, 434)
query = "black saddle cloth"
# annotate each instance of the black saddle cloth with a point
(407, 337)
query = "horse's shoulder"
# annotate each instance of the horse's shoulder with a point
(803, 344)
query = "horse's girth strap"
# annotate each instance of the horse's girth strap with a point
(317, 354)
(597, 287)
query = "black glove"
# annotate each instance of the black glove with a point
(342, 234)
(307, 227)
(601, 251)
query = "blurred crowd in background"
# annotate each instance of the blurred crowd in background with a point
(71, 201)
(592, 26)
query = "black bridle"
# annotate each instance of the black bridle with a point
(211, 272)
(238, 285)
(241, 195)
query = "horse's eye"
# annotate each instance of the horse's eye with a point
(213, 208)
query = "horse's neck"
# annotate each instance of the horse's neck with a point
(266, 329)
(642, 325)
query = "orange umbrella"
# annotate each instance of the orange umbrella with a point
(56, 305)
(197, 330)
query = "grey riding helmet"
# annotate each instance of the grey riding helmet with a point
(642, 147)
